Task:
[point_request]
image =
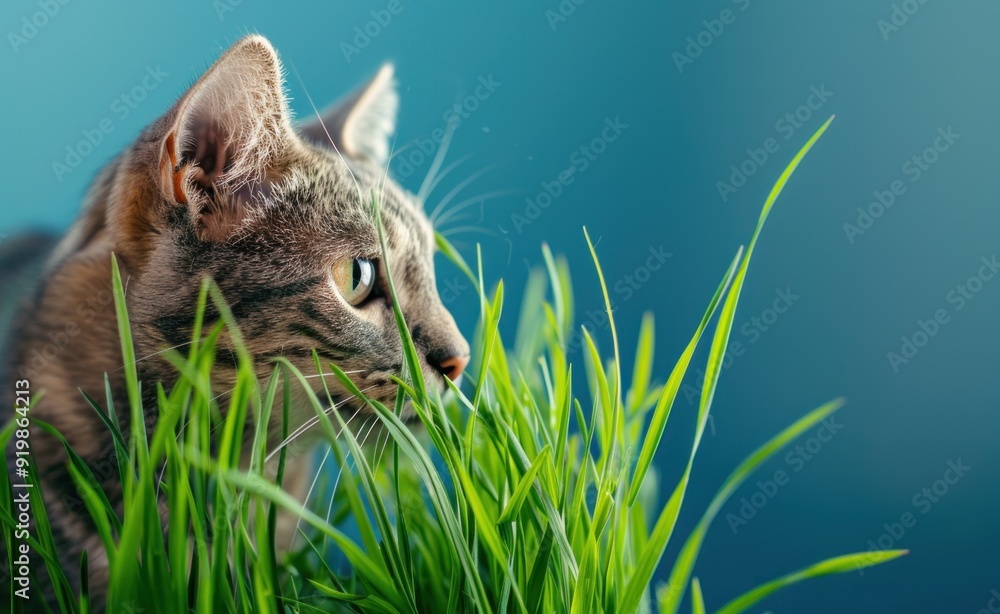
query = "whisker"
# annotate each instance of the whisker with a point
(403, 148)
(336, 482)
(319, 471)
(331, 374)
(458, 188)
(466, 229)
(482, 198)
(451, 167)
(319, 116)
(385, 444)
(163, 351)
(222, 394)
(385, 174)
(370, 429)
(310, 423)
(427, 186)
(305, 502)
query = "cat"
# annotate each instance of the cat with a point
(225, 186)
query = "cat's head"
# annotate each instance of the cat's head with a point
(281, 217)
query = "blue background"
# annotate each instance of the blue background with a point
(656, 185)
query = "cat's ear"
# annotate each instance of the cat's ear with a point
(360, 124)
(228, 135)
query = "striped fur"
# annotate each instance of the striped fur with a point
(224, 186)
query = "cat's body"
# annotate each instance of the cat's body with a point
(223, 186)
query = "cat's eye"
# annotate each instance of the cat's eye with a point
(354, 278)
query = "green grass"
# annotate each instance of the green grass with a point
(517, 495)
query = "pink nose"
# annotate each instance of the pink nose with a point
(452, 367)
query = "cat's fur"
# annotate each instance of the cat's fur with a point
(223, 185)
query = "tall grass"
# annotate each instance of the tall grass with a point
(516, 495)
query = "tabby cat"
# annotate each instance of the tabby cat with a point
(279, 216)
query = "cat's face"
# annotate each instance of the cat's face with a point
(282, 219)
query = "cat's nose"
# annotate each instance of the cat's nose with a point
(449, 365)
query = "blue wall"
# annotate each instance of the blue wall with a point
(692, 111)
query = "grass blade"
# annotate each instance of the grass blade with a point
(837, 565)
(665, 524)
(513, 507)
(697, 599)
(683, 566)
(669, 393)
